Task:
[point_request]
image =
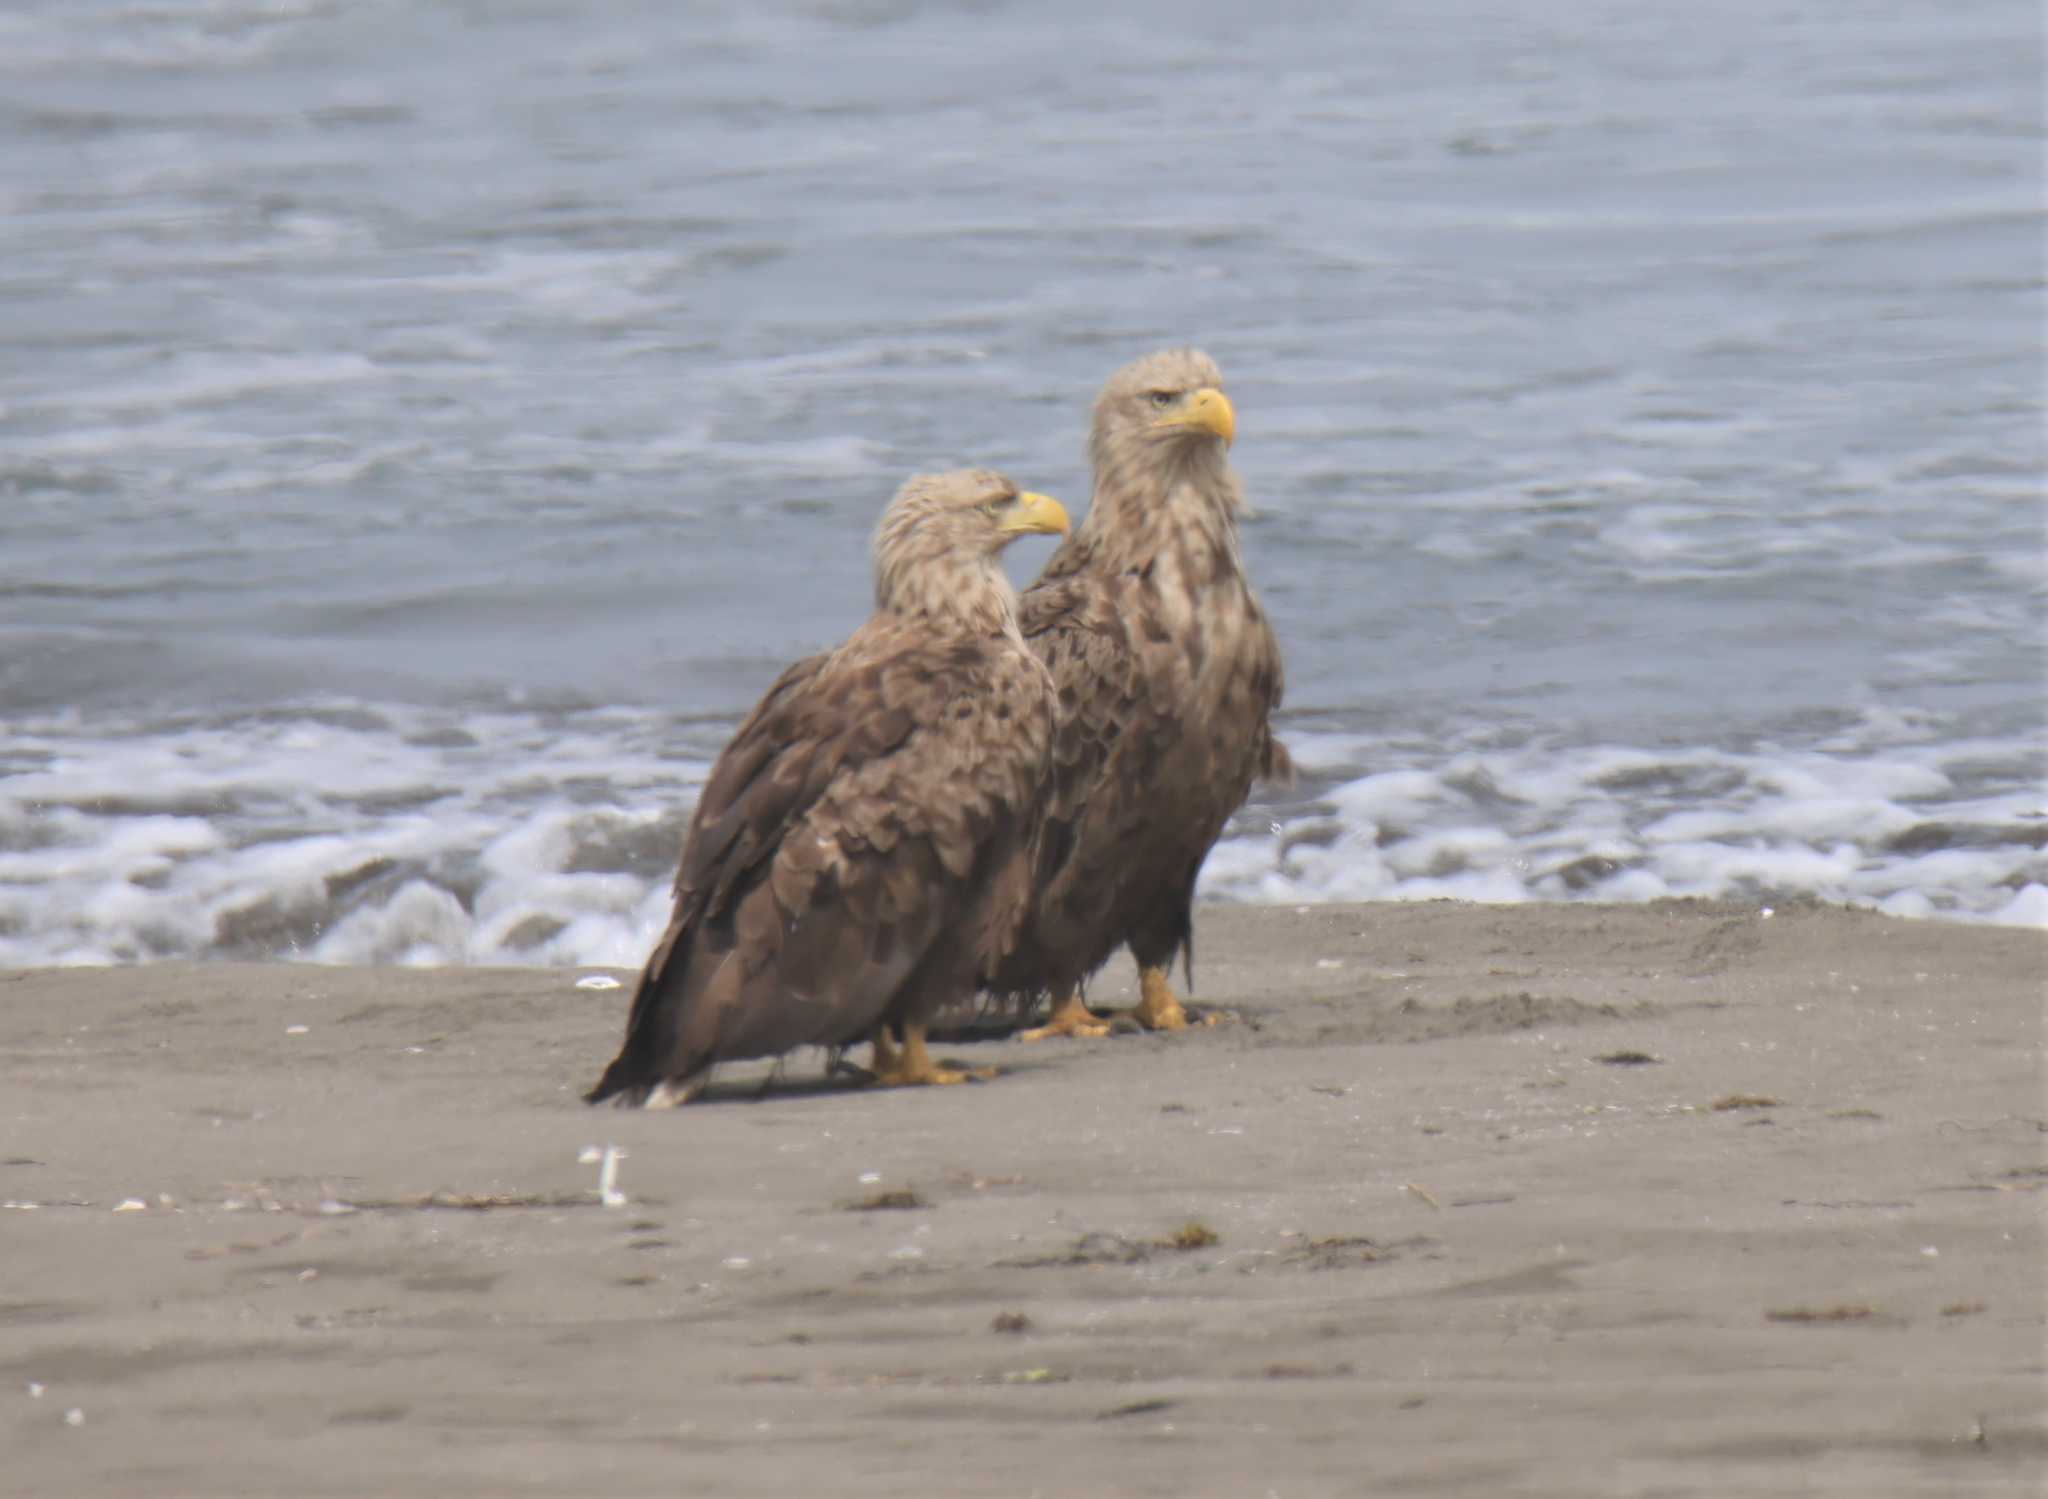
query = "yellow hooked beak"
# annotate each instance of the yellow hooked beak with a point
(1034, 515)
(1206, 410)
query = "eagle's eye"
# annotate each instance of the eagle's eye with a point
(1162, 398)
(992, 508)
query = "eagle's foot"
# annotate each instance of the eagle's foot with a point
(1069, 1018)
(1159, 1009)
(911, 1066)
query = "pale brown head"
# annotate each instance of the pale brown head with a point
(936, 544)
(1159, 449)
(1163, 406)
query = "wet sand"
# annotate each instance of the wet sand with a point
(1544, 1200)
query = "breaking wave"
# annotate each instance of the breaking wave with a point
(352, 833)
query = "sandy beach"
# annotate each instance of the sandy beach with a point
(1679, 1199)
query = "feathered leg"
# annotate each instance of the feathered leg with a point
(913, 1065)
(1167, 930)
(884, 1059)
(1069, 1018)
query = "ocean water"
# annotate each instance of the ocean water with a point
(426, 427)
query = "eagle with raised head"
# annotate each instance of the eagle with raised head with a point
(1167, 674)
(862, 851)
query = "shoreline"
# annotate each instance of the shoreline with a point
(1531, 1200)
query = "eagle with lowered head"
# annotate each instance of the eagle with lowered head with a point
(863, 848)
(1167, 675)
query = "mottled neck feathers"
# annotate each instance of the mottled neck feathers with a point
(952, 595)
(1154, 497)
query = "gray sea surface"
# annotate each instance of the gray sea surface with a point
(425, 427)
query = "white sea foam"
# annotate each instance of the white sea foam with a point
(394, 836)
(354, 834)
(1887, 823)
(576, 286)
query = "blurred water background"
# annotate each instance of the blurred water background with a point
(425, 427)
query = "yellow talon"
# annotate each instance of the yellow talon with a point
(913, 1066)
(1069, 1018)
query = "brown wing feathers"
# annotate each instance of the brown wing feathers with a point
(857, 838)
